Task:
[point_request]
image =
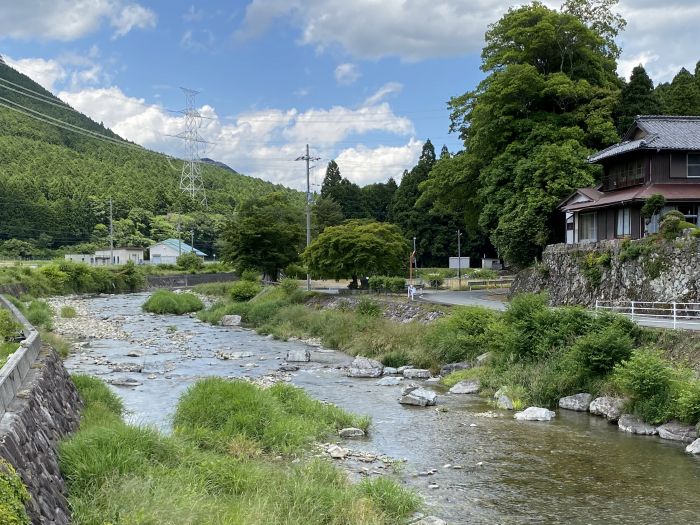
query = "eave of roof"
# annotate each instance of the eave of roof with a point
(671, 192)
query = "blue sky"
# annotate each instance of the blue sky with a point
(363, 81)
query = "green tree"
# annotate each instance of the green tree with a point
(683, 95)
(332, 180)
(599, 16)
(544, 106)
(637, 98)
(326, 212)
(357, 249)
(17, 248)
(265, 235)
(377, 199)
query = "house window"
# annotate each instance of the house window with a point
(587, 227)
(625, 174)
(693, 165)
(622, 222)
(690, 212)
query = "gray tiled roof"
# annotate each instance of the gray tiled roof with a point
(662, 132)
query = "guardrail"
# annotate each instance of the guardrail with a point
(471, 284)
(679, 315)
(12, 374)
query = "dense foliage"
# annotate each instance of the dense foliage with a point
(167, 302)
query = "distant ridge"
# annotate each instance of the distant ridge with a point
(213, 162)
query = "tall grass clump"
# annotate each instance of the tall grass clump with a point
(460, 336)
(167, 302)
(68, 312)
(39, 314)
(222, 289)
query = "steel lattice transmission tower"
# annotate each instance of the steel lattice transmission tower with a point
(191, 178)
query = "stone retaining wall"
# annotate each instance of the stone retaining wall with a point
(183, 280)
(619, 271)
(40, 406)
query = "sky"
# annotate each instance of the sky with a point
(364, 82)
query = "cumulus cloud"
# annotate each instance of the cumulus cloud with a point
(347, 74)
(46, 73)
(412, 30)
(70, 19)
(263, 143)
(70, 69)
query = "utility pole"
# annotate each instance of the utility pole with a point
(308, 158)
(459, 258)
(179, 238)
(111, 233)
(191, 177)
(192, 245)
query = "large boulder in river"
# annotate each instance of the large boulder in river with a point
(676, 431)
(634, 425)
(416, 373)
(351, 432)
(365, 367)
(415, 395)
(606, 406)
(298, 355)
(694, 447)
(230, 320)
(468, 386)
(390, 381)
(505, 403)
(535, 414)
(578, 402)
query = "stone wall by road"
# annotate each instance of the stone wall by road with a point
(40, 405)
(620, 271)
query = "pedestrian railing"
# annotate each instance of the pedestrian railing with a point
(479, 284)
(678, 315)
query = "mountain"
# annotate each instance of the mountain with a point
(221, 165)
(56, 182)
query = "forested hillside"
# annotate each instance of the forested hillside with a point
(55, 184)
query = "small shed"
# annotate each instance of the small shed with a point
(167, 251)
(119, 256)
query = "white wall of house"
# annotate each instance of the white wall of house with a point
(121, 256)
(164, 254)
(86, 258)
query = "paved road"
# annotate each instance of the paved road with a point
(497, 300)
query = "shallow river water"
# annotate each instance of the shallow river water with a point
(577, 469)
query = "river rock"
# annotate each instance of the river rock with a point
(298, 355)
(676, 431)
(578, 402)
(351, 432)
(469, 386)
(230, 320)
(606, 406)
(402, 369)
(453, 367)
(484, 358)
(416, 373)
(390, 371)
(337, 452)
(415, 395)
(634, 425)
(125, 381)
(535, 414)
(694, 447)
(505, 403)
(390, 381)
(365, 367)
(430, 520)
(134, 353)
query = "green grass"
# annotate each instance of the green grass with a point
(118, 473)
(167, 302)
(68, 312)
(222, 289)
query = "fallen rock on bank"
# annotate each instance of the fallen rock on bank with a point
(608, 407)
(634, 425)
(578, 402)
(230, 320)
(676, 431)
(535, 414)
(351, 432)
(694, 447)
(453, 367)
(417, 396)
(469, 386)
(416, 373)
(365, 367)
(390, 381)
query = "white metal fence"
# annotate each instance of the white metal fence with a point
(675, 315)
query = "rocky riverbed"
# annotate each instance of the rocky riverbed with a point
(472, 463)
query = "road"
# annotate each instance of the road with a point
(497, 300)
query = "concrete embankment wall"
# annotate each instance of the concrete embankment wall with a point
(181, 280)
(40, 405)
(620, 271)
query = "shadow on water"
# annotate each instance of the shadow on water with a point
(577, 469)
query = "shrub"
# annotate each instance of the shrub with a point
(673, 223)
(68, 312)
(40, 315)
(9, 327)
(647, 379)
(289, 286)
(462, 335)
(13, 496)
(368, 308)
(687, 401)
(167, 302)
(245, 290)
(387, 284)
(250, 275)
(190, 261)
(600, 351)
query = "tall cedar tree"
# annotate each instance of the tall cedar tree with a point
(346, 193)
(544, 106)
(637, 98)
(683, 95)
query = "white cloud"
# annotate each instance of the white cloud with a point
(46, 73)
(69, 19)
(69, 69)
(390, 88)
(262, 143)
(347, 74)
(410, 29)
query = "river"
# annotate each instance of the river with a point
(577, 469)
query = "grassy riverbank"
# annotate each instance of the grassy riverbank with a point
(537, 353)
(238, 455)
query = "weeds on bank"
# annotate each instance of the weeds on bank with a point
(167, 302)
(215, 469)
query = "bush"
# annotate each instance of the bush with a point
(462, 335)
(9, 327)
(68, 312)
(387, 284)
(245, 290)
(687, 401)
(647, 379)
(40, 315)
(13, 496)
(289, 286)
(167, 302)
(250, 275)
(190, 261)
(599, 352)
(368, 308)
